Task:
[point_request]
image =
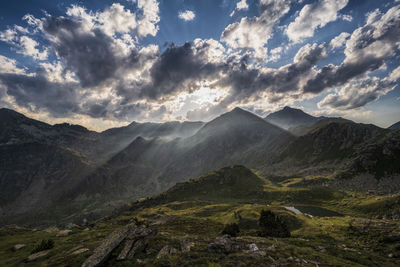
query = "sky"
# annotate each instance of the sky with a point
(102, 64)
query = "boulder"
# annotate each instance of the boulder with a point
(125, 251)
(107, 246)
(224, 244)
(166, 250)
(37, 255)
(18, 246)
(80, 251)
(51, 229)
(64, 233)
(186, 245)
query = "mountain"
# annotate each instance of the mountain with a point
(150, 166)
(395, 126)
(290, 117)
(67, 171)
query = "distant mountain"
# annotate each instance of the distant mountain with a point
(149, 166)
(290, 117)
(395, 126)
(85, 173)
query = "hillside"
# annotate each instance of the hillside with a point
(290, 117)
(395, 126)
(184, 227)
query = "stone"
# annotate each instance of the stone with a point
(139, 245)
(271, 248)
(18, 246)
(74, 249)
(253, 248)
(166, 250)
(224, 244)
(107, 246)
(127, 247)
(71, 225)
(80, 251)
(37, 255)
(63, 233)
(51, 229)
(186, 245)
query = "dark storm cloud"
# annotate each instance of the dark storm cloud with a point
(37, 91)
(178, 68)
(247, 81)
(367, 50)
(89, 55)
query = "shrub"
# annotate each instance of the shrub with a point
(231, 229)
(44, 245)
(272, 225)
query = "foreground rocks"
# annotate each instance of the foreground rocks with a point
(134, 237)
(224, 244)
(37, 255)
(18, 247)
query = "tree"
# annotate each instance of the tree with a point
(272, 225)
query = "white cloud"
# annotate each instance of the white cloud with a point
(187, 15)
(312, 17)
(254, 33)
(24, 45)
(9, 65)
(241, 5)
(339, 40)
(346, 18)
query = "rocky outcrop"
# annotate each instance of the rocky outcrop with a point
(224, 244)
(133, 236)
(166, 250)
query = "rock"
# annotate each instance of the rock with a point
(138, 246)
(166, 250)
(107, 246)
(127, 247)
(80, 251)
(74, 249)
(64, 233)
(223, 244)
(51, 229)
(253, 248)
(18, 246)
(186, 245)
(71, 225)
(37, 255)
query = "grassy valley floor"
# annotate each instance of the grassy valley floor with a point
(332, 229)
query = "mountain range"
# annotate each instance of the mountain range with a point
(67, 172)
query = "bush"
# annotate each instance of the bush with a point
(44, 245)
(231, 229)
(272, 225)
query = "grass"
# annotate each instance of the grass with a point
(354, 239)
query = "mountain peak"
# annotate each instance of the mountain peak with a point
(290, 117)
(395, 126)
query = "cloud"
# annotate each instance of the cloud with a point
(187, 15)
(366, 50)
(241, 5)
(247, 82)
(339, 40)
(9, 65)
(360, 91)
(24, 45)
(312, 17)
(254, 33)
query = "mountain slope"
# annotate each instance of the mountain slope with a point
(149, 166)
(290, 117)
(395, 126)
